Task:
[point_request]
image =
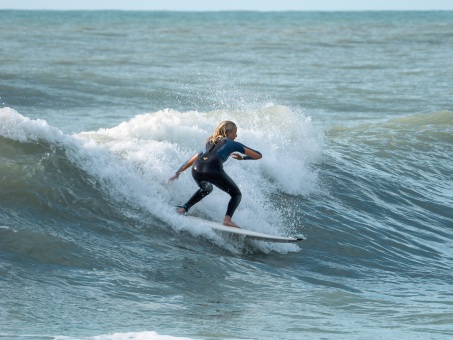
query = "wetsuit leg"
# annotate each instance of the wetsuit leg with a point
(211, 172)
(205, 190)
(225, 183)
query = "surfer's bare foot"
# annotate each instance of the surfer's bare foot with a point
(181, 211)
(229, 223)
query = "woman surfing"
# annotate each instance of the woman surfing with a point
(207, 168)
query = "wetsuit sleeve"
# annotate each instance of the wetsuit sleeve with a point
(248, 157)
(233, 146)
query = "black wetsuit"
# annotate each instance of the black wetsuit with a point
(208, 170)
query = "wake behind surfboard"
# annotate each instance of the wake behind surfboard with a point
(244, 232)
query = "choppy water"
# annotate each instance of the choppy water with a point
(352, 112)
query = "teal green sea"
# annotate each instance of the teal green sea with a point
(353, 115)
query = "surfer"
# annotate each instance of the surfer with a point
(207, 168)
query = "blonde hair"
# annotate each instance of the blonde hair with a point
(222, 130)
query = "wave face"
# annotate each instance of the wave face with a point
(131, 163)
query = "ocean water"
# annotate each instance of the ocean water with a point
(353, 113)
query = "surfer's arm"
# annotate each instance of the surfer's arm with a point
(249, 154)
(184, 167)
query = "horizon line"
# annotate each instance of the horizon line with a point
(224, 10)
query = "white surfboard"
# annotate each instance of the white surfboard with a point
(244, 232)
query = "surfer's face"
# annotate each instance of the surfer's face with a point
(232, 134)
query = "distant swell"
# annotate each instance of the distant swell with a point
(389, 198)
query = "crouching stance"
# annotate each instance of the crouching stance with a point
(207, 168)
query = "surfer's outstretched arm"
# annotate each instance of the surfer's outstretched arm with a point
(184, 167)
(249, 154)
(252, 154)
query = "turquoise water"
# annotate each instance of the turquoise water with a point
(353, 115)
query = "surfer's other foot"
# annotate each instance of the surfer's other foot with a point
(229, 223)
(181, 211)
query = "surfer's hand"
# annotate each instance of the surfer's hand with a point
(237, 156)
(172, 178)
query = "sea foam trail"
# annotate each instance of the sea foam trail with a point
(134, 160)
(129, 336)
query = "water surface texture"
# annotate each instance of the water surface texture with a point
(352, 112)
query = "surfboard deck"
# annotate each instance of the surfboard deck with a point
(244, 232)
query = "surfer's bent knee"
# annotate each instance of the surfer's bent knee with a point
(206, 186)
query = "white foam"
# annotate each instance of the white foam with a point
(147, 335)
(17, 127)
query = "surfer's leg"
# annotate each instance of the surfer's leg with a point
(225, 183)
(205, 190)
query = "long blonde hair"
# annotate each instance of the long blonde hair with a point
(222, 130)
